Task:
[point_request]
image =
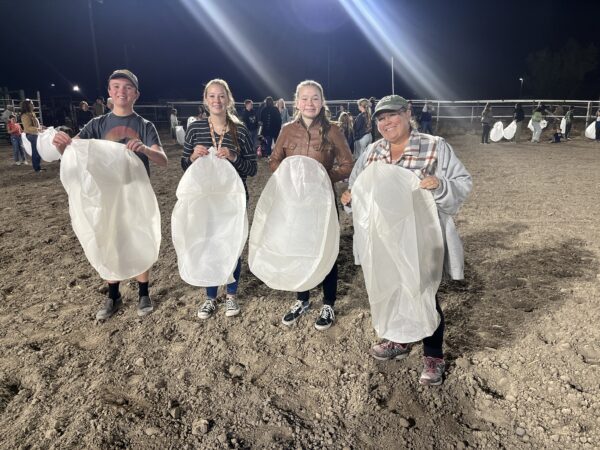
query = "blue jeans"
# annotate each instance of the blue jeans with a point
(18, 151)
(211, 292)
(35, 156)
(426, 127)
(269, 143)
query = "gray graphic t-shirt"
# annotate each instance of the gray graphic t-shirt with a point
(121, 129)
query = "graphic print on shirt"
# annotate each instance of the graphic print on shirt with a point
(121, 134)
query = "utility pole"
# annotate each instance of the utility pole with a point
(95, 48)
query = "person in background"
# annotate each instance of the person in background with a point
(285, 115)
(518, 117)
(15, 132)
(270, 119)
(536, 119)
(223, 131)
(99, 108)
(362, 127)
(84, 115)
(341, 110)
(569, 115)
(557, 136)
(250, 119)
(487, 118)
(440, 171)
(425, 118)
(32, 127)
(311, 134)
(174, 122)
(139, 135)
(347, 129)
(598, 124)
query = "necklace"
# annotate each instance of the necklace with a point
(212, 134)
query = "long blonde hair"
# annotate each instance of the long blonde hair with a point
(365, 103)
(231, 118)
(321, 119)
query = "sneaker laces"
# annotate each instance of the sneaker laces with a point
(231, 304)
(431, 364)
(298, 306)
(392, 345)
(209, 306)
(327, 313)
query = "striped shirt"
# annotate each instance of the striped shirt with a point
(198, 133)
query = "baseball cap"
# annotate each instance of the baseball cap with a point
(391, 103)
(124, 73)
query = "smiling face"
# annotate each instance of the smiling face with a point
(216, 99)
(309, 102)
(394, 126)
(123, 93)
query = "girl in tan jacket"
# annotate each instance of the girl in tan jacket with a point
(312, 134)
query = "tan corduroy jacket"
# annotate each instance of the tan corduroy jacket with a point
(296, 139)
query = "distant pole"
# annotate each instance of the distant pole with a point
(328, 65)
(93, 32)
(393, 76)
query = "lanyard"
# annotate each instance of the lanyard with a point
(212, 135)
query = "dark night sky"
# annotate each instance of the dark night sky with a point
(473, 48)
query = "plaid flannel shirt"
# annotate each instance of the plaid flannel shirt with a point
(420, 155)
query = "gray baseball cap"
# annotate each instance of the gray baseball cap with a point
(124, 73)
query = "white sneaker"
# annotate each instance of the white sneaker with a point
(207, 309)
(231, 306)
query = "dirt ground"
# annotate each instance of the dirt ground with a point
(522, 342)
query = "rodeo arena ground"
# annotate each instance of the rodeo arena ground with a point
(521, 347)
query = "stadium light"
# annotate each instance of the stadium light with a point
(383, 27)
(521, 87)
(233, 34)
(76, 88)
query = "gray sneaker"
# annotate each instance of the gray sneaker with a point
(389, 350)
(433, 371)
(231, 306)
(207, 309)
(110, 307)
(144, 306)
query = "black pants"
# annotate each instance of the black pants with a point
(567, 129)
(432, 345)
(329, 288)
(485, 136)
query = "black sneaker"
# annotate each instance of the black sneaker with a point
(326, 318)
(294, 314)
(110, 307)
(144, 306)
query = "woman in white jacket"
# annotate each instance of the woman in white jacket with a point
(440, 171)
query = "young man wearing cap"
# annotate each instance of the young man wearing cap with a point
(139, 135)
(432, 159)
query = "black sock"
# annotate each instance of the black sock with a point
(113, 290)
(143, 288)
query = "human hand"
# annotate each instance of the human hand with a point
(346, 198)
(199, 151)
(430, 183)
(61, 141)
(224, 152)
(137, 146)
